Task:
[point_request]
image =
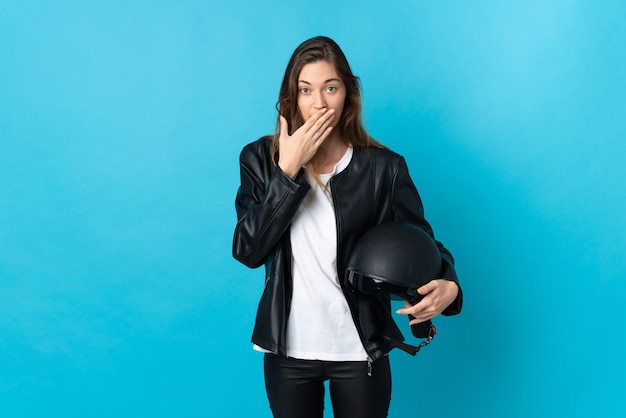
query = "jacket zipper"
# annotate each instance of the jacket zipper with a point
(369, 357)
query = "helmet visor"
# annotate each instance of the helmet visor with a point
(368, 285)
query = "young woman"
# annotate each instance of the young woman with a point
(307, 194)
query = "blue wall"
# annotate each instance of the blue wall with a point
(120, 128)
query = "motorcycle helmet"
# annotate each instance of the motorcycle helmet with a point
(396, 258)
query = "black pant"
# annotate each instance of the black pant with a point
(295, 388)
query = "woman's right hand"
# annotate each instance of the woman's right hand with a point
(296, 150)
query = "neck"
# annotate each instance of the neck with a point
(329, 154)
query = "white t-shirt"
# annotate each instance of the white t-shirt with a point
(320, 326)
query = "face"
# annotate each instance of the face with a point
(320, 86)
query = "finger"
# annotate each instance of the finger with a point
(324, 135)
(326, 118)
(427, 288)
(403, 311)
(284, 129)
(322, 127)
(411, 309)
(322, 121)
(423, 305)
(421, 313)
(313, 119)
(330, 116)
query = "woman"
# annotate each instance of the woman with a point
(307, 194)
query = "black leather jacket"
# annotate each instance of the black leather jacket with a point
(374, 188)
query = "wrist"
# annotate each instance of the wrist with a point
(288, 170)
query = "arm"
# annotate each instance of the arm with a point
(269, 195)
(266, 202)
(444, 295)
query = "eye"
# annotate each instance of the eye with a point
(331, 89)
(304, 90)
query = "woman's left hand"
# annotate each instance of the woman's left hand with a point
(438, 295)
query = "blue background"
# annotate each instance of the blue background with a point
(120, 128)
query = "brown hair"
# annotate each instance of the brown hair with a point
(350, 126)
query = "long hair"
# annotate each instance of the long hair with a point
(350, 126)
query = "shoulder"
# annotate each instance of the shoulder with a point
(256, 151)
(379, 155)
(260, 146)
(255, 158)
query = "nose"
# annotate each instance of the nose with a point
(319, 101)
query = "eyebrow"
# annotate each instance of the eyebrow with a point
(330, 80)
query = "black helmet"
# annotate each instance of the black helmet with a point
(396, 258)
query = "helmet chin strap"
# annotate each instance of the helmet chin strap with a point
(419, 332)
(411, 349)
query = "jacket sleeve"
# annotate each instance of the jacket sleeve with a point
(266, 202)
(407, 206)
